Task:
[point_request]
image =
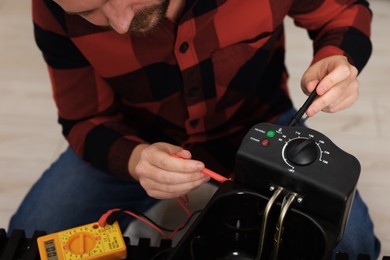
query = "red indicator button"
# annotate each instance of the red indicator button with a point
(265, 142)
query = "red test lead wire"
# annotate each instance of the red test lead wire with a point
(209, 173)
(182, 202)
(103, 222)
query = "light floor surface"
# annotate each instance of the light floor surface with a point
(30, 138)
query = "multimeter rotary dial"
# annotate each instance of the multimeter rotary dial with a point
(81, 243)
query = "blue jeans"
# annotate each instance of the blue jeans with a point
(71, 193)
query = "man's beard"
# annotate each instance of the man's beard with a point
(148, 19)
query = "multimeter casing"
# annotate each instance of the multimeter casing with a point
(326, 185)
(90, 241)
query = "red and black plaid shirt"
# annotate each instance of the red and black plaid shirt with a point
(200, 82)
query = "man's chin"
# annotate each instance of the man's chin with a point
(145, 29)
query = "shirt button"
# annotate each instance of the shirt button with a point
(184, 47)
(194, 123)
(193, 92)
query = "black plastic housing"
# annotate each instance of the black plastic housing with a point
(327, 185)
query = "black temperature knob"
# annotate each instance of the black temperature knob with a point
(301, 151)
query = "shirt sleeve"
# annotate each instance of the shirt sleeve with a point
(87, 106)
(336, 28)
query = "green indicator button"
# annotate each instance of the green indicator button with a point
(271, 133)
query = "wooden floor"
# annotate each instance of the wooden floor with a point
(30, 138)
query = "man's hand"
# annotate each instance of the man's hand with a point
(337, 84)
(162, 175)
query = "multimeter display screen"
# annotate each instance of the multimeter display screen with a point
(51, 251)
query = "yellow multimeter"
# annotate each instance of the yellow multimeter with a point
(90, 241)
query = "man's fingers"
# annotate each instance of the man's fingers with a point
(165, 191)
(340, 97)
(339, 74)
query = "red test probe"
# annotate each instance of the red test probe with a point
(209, 173)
